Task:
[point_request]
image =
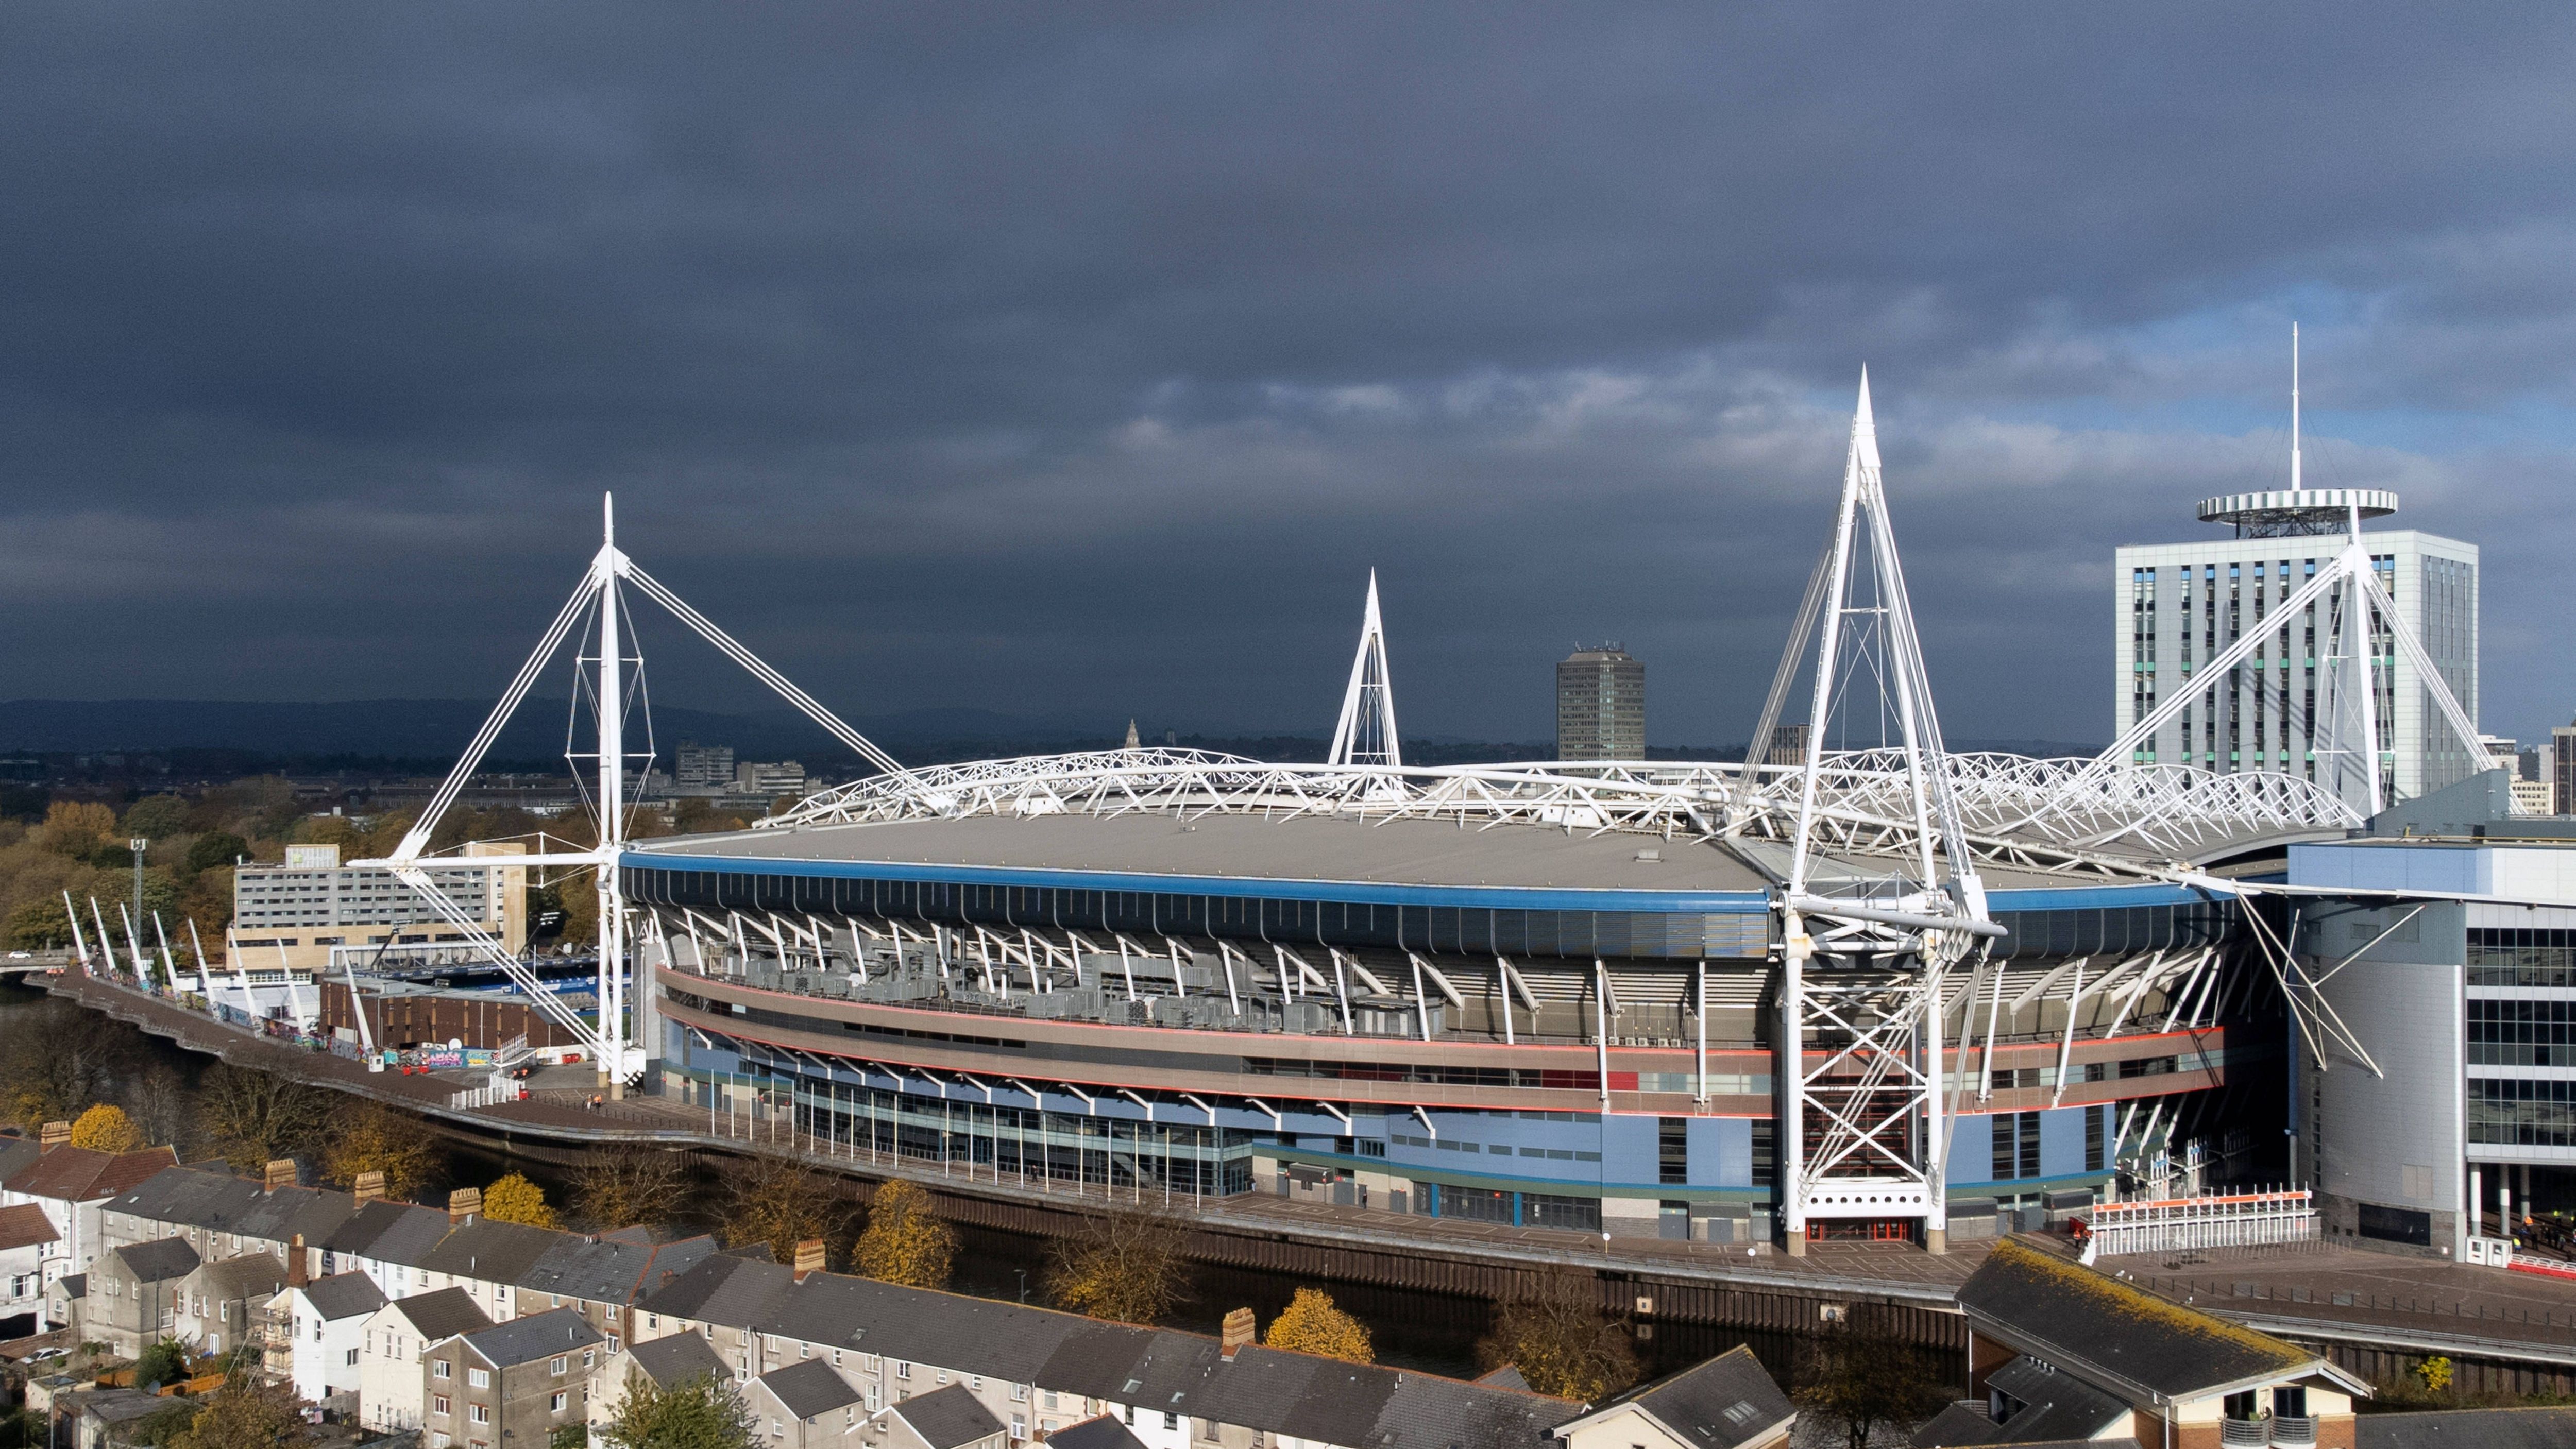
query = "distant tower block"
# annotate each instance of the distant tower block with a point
(1601, 705)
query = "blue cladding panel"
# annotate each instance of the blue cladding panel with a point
(1721, 1152)
(2061, 1142)
(1628, 1149)
(1972, 1149)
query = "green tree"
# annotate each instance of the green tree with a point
(569, 1436)
(106, 1128)
(254, 1118)
(1562, 1344)
(247, 1414)
(369, 1137)
(905, 1242)
(1860, 1376)
(38, 924)
(782, 1204)
(514, 1199)
(59, 1059)
(701, 1413)
(165, 1362)
(156, 817)
(215, 848)
(624, 1185)
(1311, 1323)
(1124, 1265)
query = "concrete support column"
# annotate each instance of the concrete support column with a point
(2477, 1204)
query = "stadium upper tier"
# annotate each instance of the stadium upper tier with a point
(2053, 816)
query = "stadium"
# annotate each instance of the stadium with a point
(1855, 989)
(1541, 994)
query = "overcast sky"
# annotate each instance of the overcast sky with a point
(1070, 360)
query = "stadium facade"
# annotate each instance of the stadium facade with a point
(1508, 995)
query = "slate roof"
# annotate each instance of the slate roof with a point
(539, 1335)
(252, 1275)
(678, 1358)
(25, 1225)
(80, 1174)
(808, 1388)
(2116, 1333)
(443, 1314)
(2467, 1429)
(948, 1417)
(612, 1269)
(1157, 1369)
(159, 1260)
(498, 1252)
(74, 1285)
(344, 1295)
(219, 1202)
(1103, 1432)
(15, 1153)
(1731, 1400)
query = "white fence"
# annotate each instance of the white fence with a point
(2219, 1220)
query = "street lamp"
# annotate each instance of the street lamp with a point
(137, 844)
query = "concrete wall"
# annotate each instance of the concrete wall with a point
(2392, 1139)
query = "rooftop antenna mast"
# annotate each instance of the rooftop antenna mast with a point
(2355, 608)
(1366, 733)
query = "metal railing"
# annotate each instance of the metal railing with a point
(2218, 1220)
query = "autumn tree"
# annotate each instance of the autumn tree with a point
(1312, 1324)
(706, 1412)
(1124, 1265)
(248, 1413)
(106, 1128)
(906, 1241)
(514, 1199)
(58, 1059)
(372, 1137)
(254, 1118)
(623, 1186)
(75, 827)
(781, 1204)
(1860, 1376)
(1562, 1344)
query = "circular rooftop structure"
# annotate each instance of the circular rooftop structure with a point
(2290, 511)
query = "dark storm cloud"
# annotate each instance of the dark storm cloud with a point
(1050, 361)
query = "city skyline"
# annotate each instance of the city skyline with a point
(317, 383)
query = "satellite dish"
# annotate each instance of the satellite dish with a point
(456, 1044)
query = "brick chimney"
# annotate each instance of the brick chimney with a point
(298, 1271)
(371, 1188)
(1237, 1333)
(809, 1258)
(281, 1173)
(54, 1135)
(464, 1205)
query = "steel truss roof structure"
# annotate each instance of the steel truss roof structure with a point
(2018, 811)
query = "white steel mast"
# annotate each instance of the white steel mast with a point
(1365, 734)
(1870, 1088)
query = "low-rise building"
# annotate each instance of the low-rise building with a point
(325, 1322)
(314, 914)
(228, 1300)
(1729, 1402)
(807, 1405)
(392, 1344)
(512, 1384)
(2058, 1351)
(72, 1185)
(27, 1237)
(949, 1418)
(665, 1363)
(136, 1294)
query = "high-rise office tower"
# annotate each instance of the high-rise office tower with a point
(1600, 705)
(2177, 602)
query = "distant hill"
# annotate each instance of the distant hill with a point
(434, 730)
